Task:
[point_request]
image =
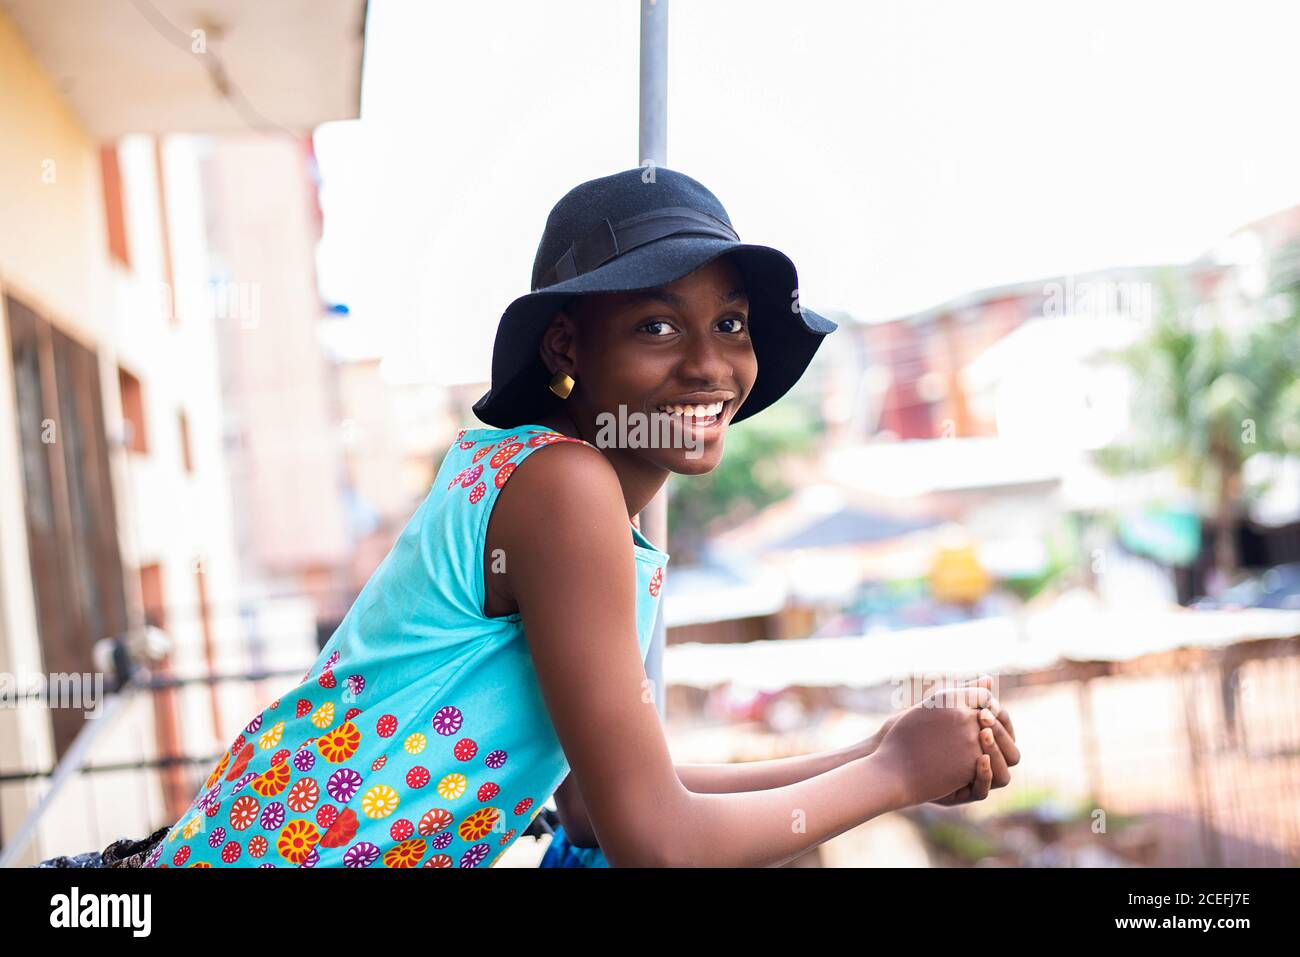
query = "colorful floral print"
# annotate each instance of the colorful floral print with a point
(448, 720)
(401, 746)
(297, 840)
(342, 784)
(405, 854)
(479, 823)
(340, 744)
(380, 801)
(453, 786)
(243, 813)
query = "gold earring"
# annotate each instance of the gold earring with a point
(562, 384)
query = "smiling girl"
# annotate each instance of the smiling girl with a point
(496, 656)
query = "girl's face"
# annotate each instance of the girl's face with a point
(682, 350)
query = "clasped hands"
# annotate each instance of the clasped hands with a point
(997, 737)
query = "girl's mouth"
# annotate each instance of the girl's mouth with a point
(695, 416)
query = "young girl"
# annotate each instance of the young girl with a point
(496, 656)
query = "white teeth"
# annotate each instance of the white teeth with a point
(695, 411)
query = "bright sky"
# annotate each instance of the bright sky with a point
(900, 153)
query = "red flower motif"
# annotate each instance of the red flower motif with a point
(401, 830)
(505, 473)
(241, 763)
(477, 494)
(656, 582)
(386, 726)
(342, 830)
(417, 777)
(505, 454)
(434, 821)
(465, 749)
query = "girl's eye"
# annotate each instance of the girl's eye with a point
(741, 323)
(656, 322)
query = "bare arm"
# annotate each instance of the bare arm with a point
(716, 779)
(572, 573)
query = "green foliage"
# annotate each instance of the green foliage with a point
(1216, 383)
(962, 840)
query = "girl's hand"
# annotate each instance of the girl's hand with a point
(997, 738)
(930, 752)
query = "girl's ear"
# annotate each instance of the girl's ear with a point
(558, 348)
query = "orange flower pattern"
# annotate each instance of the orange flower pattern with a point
(424, 744)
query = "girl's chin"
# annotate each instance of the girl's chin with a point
(685, 462)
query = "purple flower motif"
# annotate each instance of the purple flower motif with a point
(304, 760)
(209, 797)
(152, 859)
(343, 784)
(267, 864)
(329, 662)
(272, 818)
(474, 856)
(495, 759)
(471, 476)
(217, 837)
(312, 859)
(362, 854)
(356, 684)
(441, 840)
(253, 725)
(448, 720)
(243, 782)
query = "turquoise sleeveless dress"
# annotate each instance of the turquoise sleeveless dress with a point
(419, 737)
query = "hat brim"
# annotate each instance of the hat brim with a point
(785, 335)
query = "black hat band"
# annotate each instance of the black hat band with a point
(607, 240)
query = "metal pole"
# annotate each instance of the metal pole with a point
(653, 151)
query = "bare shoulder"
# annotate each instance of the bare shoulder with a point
(562, 492)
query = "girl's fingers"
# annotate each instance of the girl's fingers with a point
(1001, 776)
(1005, 718)
(979, 788)
(1003, 738)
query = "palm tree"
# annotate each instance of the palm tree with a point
(1215, 383)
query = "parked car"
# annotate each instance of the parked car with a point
(1278, 587)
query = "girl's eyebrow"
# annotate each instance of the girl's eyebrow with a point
(676, 301)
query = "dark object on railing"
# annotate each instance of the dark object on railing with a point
(124, 852)
(543, 824)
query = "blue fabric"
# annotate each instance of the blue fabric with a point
(419, 736)
(561, 853)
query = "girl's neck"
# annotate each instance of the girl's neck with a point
(639, 479)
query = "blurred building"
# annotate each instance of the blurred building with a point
(282, 411)
(111, 420)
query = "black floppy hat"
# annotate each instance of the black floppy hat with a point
(641, 228)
